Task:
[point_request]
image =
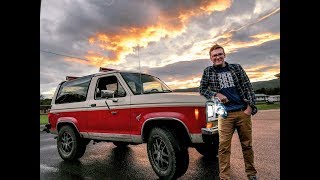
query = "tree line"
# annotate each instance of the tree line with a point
(268, 91)
(44, 101)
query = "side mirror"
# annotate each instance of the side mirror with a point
(107, 94)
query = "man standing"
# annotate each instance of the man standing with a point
(230, 83)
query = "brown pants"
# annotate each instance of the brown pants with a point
(242, 122)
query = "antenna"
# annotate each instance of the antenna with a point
(137, 49)
(140, 68)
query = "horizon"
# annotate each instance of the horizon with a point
(169, 39)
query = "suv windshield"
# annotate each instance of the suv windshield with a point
(149, 84)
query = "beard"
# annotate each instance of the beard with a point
(219, 65)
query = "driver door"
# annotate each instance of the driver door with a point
(110, 117)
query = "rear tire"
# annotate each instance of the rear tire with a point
(167, 157)
(70, 145)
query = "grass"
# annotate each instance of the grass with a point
(265, 106)
(43, 119)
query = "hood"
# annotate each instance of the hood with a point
(183, 98)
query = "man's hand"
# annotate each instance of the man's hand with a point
(222, 98)
(248, 110)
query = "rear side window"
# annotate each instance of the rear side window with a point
(73, 91)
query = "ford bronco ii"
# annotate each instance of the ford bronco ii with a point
(129, 108)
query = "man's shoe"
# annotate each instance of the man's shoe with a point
(253, 178)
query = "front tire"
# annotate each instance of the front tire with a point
(167, 157)
(70, 145)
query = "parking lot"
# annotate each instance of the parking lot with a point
(105, 161)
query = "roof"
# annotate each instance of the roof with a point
(102, 71)
(115, 71)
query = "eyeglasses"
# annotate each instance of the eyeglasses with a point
(220, 54)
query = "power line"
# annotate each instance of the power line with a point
(58, 54)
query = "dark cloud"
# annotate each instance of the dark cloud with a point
(266, 53)
(230, 20)
(54, 69)
(180, 70)
(100, 16)
(221, 18)
(268, 25)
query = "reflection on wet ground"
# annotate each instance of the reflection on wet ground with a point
(105, 161)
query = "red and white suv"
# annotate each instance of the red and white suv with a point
(132, 108)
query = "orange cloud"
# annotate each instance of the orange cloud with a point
(188, 82)
(262, 72)
(92, 58)
(167, 25)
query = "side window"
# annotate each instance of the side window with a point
(109, 83)
(132, 86)
(152, 86)
(73, 91)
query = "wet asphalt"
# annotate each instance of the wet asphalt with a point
(105, 161)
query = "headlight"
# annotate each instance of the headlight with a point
(210, 111)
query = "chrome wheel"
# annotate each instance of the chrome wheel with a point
(160, 154)
(67, 143)
(70, 145)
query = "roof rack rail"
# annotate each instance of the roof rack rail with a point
(69, 78)
(102, 69)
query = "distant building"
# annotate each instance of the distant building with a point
(261, 97)
(44, 109)
(274, 98)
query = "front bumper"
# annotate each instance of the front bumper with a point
(209, 131)
(210, 135)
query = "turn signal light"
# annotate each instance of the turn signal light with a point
(196, 113)
(209, 125)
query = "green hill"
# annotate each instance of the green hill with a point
(274, 83)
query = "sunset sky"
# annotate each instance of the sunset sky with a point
(174, 37)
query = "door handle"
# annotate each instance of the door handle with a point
(114, 100)
(114, 112)
(93, 105)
